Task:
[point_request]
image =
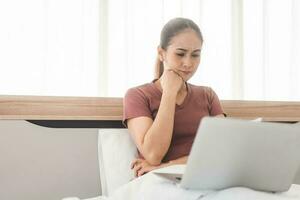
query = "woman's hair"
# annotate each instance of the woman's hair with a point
(171, 29)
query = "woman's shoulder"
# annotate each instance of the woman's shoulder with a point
(203, 92)
(140, 90)
(201, 89)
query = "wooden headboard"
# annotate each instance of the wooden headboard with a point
(102, 108)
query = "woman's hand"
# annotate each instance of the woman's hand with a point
(141, 167)
(171, 81)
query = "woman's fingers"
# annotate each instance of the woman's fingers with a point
(136, 169)
(140, 167)
(141, 172)
(174, 71)
(134, 162)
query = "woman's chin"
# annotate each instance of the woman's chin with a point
(186, 78)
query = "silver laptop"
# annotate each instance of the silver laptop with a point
(240, 153)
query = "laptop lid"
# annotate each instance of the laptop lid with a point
(231, 153)
(173, 172)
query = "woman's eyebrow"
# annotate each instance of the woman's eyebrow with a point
(197, 50)
(181, 49)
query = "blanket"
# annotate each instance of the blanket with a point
(152, 186)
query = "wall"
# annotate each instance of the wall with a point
(47, 163)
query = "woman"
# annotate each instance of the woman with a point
(163, 116)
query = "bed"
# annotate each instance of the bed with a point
(105, 114)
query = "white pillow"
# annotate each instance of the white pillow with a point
(116, 151)
(260, 119)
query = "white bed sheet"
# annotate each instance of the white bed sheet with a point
(151, 186)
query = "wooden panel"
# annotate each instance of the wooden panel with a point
(100, 108)
(268, 110)
(60, 108)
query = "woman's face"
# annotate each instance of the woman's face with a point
(183, 53)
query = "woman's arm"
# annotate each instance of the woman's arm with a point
(153, 138)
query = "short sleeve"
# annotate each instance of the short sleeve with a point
(135, 104)
(215, 107)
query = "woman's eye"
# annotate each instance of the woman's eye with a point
(195, 55)
(180, 54)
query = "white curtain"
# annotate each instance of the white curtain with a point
(49, 47)
(271, 49)
(103, 47)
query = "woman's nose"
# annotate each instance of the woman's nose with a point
(187, 63)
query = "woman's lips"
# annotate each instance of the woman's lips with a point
(185, 72)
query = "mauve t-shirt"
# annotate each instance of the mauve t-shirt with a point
(200, 101)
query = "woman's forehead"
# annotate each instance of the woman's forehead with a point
(188, 40)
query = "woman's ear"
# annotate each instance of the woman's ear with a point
(160, 52)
